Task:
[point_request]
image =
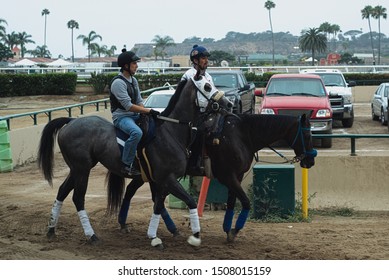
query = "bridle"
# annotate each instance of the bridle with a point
(312, 153)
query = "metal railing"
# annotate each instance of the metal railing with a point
(69, 108)
(352, 137)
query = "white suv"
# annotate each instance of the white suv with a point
(339, 92)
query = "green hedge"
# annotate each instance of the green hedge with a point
(37, 84)
(65, 83)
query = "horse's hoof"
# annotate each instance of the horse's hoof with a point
(176, 234)
(231, 235)
(157, 243)
(124, 228)
(194, 241)
(94, 240)
(51, 234)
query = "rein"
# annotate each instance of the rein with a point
(295, 159)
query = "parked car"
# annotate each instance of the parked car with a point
(297, 94)
(340, 94)
(158, 100)
(379, 104)
(236, 89)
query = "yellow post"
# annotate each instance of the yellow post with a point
(304, 173)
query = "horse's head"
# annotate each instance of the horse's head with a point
(208, 97)
(302, 143)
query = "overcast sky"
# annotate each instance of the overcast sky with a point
(129, 22)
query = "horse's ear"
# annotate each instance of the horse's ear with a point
(197, 76)
(303, 118)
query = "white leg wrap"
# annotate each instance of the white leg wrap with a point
(194, 220)
(153, 226)
(88, 230)
(55, 211)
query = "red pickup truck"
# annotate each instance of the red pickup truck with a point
(297, 94)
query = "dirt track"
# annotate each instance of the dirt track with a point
(25, 203)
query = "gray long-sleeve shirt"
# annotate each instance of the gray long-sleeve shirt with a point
(119, 90)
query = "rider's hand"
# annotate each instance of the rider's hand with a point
(154, 113)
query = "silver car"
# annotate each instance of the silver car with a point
(379, 104)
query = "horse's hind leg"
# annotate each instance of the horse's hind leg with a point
(63, 192)
(79, 192)
(131, 189)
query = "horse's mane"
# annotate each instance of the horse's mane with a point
(173, 100)
(254, 123)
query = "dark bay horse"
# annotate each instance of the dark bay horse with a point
(239, 140)
(86, 141)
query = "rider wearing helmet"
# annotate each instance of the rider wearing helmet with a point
(199, 57)
(126, 105)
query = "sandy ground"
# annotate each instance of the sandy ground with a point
(26, 199)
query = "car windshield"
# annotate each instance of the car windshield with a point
(334, 80)
(157, 100)
(295, 86)
(225, 80)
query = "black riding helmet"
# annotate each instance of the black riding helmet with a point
(197, 52)
(126, 57)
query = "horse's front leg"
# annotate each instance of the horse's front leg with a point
(178, 191)
(240, 221)
(156, 242)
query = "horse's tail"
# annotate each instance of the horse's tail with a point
(115, 187)
(46, 147)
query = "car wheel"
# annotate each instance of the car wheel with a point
(373, 115)
(326, 142)
(348, 122)
(383, 121)
(238, 109)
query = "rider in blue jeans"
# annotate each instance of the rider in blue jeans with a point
(126, 105)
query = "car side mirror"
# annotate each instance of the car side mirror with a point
(245, 87)
(258, 92)
(352, 83)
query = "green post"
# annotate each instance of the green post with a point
(5, 149)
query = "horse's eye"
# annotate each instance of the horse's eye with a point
(207, 87)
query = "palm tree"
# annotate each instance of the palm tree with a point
(99, 50)
(40, 51)
(45, 13)
(71, 25)
(23, 39)
(270, 5)
(88, 41)
(2, 28)
(11, 40)
(313, 40)
(379, 12)
(367, 12)
(111, 51)
(161, 43)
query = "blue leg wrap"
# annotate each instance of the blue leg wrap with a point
(168, 221)
(242, 219)
(123, 213)
(228, 216)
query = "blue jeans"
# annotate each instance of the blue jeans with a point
(128, 125)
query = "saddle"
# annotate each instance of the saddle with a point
(147, 125)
